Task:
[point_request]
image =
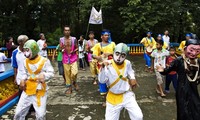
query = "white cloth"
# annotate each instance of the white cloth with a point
(129, 103)
(80, 52)
(2, 59)
(166, 39)
(108, 75)
(25, 103)
(20, 63)
(41, 45)
(160, 57)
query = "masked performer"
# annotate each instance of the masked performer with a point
(187, 67)
(120, 78)
(103, 51)
(37, 70)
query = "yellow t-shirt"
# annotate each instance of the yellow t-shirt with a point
(182, 45)
(98, 48)
(148, 42)
(165, 45)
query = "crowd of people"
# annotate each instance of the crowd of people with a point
(109, 69)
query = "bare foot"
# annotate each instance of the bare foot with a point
(95, 82)
(162, 95)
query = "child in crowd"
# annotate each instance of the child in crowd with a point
(3, 59)
(172, 76)
(59, 60)
(81, 55)
(159, 58)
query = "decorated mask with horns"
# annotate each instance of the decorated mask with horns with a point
(31, 49)
(120, 53)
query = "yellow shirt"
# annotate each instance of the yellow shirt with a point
(182, 45)
(148, 42)
(97, 49)
(165, 45)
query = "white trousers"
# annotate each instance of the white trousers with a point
(129, 103)
(25, 103)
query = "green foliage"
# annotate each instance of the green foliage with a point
(53, 38)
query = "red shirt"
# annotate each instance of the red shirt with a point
(169, 60)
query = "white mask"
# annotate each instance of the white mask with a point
(119, 57)
(27, 54)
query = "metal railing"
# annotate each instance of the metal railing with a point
(135, 49)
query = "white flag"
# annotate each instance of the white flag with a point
(95, 17)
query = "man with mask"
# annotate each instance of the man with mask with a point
(120, 78)
(187, 68)
(37, 70)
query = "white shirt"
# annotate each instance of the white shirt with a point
(160, 57)
(166, 39)
(41, 45)
(18, 62)
(2, 59)
(80, 52)
(109, 75)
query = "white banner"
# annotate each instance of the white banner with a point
(95, 17)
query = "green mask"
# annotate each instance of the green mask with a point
(122, 48)
(31, 49)
(120, 53)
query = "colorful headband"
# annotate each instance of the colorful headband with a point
(109, 38)
(149, 32)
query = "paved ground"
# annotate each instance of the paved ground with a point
(87, 103)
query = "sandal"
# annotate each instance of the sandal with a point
(76, 86)
(68, 91)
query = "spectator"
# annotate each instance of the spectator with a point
(42, 45)
(10, 46)
(3, 59)
(166, 38)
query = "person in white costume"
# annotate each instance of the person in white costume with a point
(37, 70)
(120, 79)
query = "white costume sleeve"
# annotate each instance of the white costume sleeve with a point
(103, 75)
(131, 72)
(48, 70)
(39, 44)
(23, 73)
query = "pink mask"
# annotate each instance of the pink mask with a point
(192, 51)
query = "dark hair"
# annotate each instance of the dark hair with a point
(66, 26)
(8, 38)
(160, 42)
(105, 30)
(82, 36)
(172, 48)
(41, 35)
(91, 32)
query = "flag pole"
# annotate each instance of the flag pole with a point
(87, 30)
